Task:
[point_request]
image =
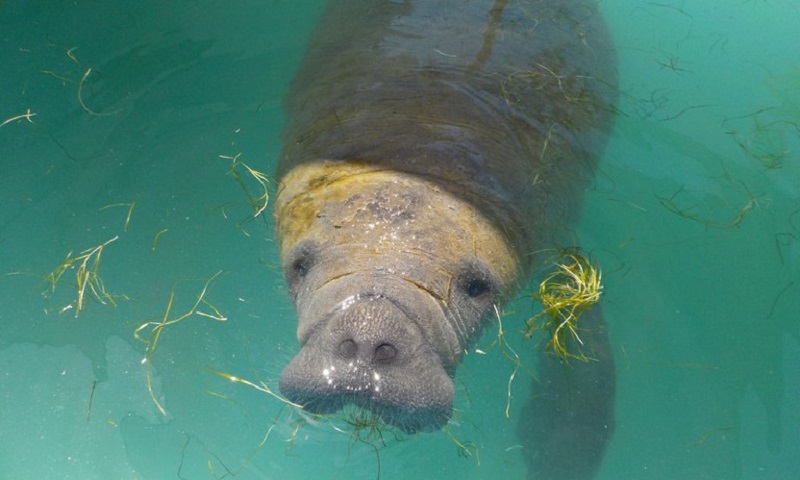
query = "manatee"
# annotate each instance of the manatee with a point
(432, 149)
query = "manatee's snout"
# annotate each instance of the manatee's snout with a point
(370, 353)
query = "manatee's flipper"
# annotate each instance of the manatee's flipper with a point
(569, 420)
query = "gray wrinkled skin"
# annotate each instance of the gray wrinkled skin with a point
(431, 147)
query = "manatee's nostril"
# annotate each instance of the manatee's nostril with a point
(348, 348)
(385, 353)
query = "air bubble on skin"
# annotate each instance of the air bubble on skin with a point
(327, 374)
(348, 302)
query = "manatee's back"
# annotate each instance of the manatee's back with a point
(507, 102)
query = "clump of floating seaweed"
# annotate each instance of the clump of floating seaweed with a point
(87, 276)
(87, 270)
(566, 294)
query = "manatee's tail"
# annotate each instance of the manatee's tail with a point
(569, 419)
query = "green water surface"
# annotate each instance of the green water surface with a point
(128, 115)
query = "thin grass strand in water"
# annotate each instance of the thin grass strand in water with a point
(150, 332)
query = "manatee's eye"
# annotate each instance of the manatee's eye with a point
(476, 283)
(298, 264)
(300, 267)
(477, 287)
(473, 292)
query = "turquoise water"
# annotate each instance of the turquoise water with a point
(695, 218)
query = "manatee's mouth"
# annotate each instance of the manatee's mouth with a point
(409, 419)
(372, 356)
